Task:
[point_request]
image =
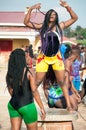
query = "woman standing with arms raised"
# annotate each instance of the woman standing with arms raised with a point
(51, 38)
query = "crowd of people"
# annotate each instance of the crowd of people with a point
(57, 70)
(53, 91)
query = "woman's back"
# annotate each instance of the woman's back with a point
(24, 95)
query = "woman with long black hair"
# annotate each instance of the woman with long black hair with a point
(22, 88)
(51, 38)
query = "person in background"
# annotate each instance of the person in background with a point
(31, 60)
(51, 38)
(53, 91)
(83, 91)
(30, 55)
(54, 94)
(83, 73)
(73, 56)
(83, 58)
(65, 49)
(75, 68)
(22, 88)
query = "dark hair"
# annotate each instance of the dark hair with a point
(76, 50)
(68, 51)
(49, 77)
(73, 51)
(29, 50)
(16, 66)
(45, 26)
(82, 48)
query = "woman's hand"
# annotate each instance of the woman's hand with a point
(63, 3)
(43, 114)
(36, 6)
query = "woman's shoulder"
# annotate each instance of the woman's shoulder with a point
(31, 72)
(62, 25)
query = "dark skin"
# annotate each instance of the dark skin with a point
(38, 26)
(60, 75)
(75, 97)
(16, 122)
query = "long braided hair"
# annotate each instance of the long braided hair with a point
(16, 66)
(45, 28)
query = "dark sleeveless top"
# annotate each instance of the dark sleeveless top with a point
(50, 43)
(24, 96)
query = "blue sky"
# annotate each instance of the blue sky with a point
(79, 6)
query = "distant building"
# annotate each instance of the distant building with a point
(14, 34)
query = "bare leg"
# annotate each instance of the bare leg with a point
(74, 102)
(60, 76)
(32, 126)
(39, 77)
(16, 123)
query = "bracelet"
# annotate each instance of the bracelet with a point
(68, 8)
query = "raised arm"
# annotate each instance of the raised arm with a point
(27, 21)
(73, 15)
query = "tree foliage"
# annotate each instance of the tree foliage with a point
(79, 33)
